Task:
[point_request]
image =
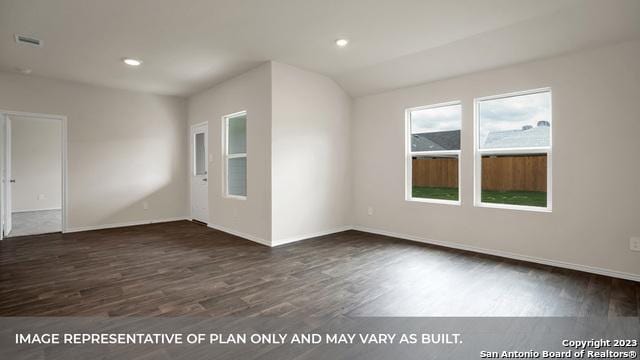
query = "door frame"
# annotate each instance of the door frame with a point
(5, 114)
(192, 163)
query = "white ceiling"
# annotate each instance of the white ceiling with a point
(190, 45)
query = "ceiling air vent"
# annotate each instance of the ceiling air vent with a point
(28, 40)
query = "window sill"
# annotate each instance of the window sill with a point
(435, 201)
(236, 197)
(514, 207)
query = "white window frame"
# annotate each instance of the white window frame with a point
(478, 153)
(409, 154)
(227, 156)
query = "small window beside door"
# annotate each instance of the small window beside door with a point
(200, 167)
(235, 140)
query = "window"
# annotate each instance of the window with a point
(235, 133)
(199, 152)
(433, 153)
(513, 151)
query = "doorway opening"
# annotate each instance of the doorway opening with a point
(33, 168)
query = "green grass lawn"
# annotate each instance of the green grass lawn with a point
(526, 198)
(435, 193)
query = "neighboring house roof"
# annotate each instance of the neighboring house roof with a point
(434, 141)
(528, 136)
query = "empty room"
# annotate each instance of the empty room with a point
(319, 179)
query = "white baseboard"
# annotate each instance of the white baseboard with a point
(506, 254)
(280, 241)
(256, 239)
(500, 253)
(29, 210)
(123, 224)
(309, 236)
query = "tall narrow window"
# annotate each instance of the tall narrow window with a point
(433, 153)
(513, 150)
(235, 130)
(199, 152)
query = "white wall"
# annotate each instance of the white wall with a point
(2, 160)
(297, 153)
(251, 91)
(596, 196)
(36, 163)
(310, 155)
(124, 148)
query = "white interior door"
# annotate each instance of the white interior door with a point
(199, 168)
(7, 179)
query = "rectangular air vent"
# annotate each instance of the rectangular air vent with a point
(28, 40)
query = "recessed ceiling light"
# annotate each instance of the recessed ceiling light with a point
(132, 61)
(24, 71)
(342, 42)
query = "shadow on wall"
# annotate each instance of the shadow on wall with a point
(141, 209)
(147, 193)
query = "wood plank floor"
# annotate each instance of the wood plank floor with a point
(182, 268)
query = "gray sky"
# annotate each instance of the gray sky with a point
(510, 113)
(513, 113)
(436, 119)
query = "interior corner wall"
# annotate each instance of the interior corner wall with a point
(124, 148)
(310, 155)
(36, 164)
(596, 197)
(251, 91)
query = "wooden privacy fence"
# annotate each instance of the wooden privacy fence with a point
(507, 173)
(499, 173)
(435, 172)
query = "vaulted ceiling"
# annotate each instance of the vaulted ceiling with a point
(190, 45)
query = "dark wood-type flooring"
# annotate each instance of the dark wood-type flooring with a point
(182, 268)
